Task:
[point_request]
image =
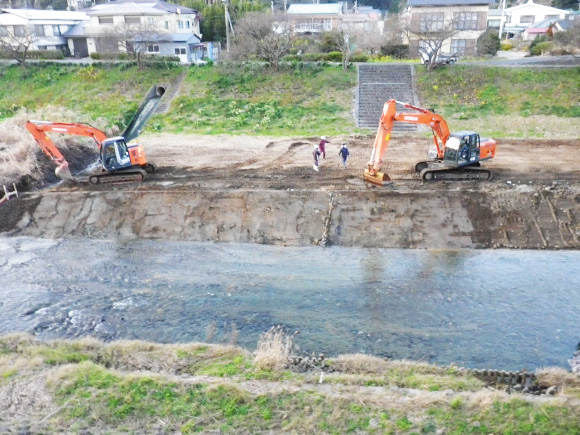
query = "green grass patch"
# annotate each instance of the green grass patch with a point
(473, 91)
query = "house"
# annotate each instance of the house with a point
(544, 27)
(363, 19)
(455, 24)
(44, 29)
(315, 18)
(518, 18)
(147, 26)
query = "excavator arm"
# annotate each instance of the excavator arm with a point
(38, 129)
(388, 118)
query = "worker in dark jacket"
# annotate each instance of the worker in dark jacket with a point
(316, 154)
(344, 154)
(322, 145)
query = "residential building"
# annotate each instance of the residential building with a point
(518, 18)
(456, 24)
(315, 18)
(543, 27)
(150, 26)
(45, 29)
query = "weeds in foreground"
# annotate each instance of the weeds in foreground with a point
(274, 348)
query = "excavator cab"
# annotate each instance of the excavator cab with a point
(115, 154)
(462, 149)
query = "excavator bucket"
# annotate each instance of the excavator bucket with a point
(377, 178)
(63, 172)
(145, 111)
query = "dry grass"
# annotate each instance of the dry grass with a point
(19, 154)
(563, 379)
(274, 348)
(360, 364)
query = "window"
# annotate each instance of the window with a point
(19, 31)
(4, 31)
(43, 47)
(133, 20)
(151, 21)
(56, 30)
(105, 20)
(179, 24)
(167, 24)
(180, 50)
(458, 46)
(527, 19)
(187, 24)
(465, 20)
(551, 17)
(39, 30)
(431, 22)
(153, 48)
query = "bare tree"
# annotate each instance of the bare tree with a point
(135, 39)
(264, 36)
(427, 32)
(343, 40)
(17, 41)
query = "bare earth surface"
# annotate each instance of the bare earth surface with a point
(264, 190)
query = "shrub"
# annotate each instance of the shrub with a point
(488, 43)
(360, 58)
(534, 50)
(45, 54)
(109, 56)
(313, 57)
(333, 56)
(505, 46)
(397, 51)
(541, 48)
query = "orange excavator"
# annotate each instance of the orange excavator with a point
(458, 154)
(121, 160)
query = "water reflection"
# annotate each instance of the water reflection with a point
(502, 309)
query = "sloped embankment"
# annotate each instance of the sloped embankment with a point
(522, 217)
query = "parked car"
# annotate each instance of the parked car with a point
(441, 58)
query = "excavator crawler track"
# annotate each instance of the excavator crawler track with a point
(131, 176)
(455, 174)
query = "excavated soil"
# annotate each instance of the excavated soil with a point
(264, 190)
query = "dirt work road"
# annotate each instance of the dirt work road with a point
(264, 190)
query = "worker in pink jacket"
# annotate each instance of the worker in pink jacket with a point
(321, 146)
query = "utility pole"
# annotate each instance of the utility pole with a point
(501, 20)
(227, 18)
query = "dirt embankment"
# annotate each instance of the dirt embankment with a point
(263, 190)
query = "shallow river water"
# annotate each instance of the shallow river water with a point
(497, 309)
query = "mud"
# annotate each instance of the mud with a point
(263, 190)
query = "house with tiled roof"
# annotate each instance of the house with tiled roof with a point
(459, 23)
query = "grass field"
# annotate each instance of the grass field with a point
(303, 99)
(138, 387)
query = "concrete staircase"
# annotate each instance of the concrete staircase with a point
(376, 85)
(170, 92)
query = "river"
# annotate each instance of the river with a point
(498, 309)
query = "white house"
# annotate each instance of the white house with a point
(518, 18)
(160, 28)
(45, 28)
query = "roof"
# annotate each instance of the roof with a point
(449, 2)
(542, 26)
(35, 14)
(189, 38)
(530, 3)
(77, 31)
(137, 7)
(315, 9)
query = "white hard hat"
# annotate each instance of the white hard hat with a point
(315, 147)
(323, 137)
